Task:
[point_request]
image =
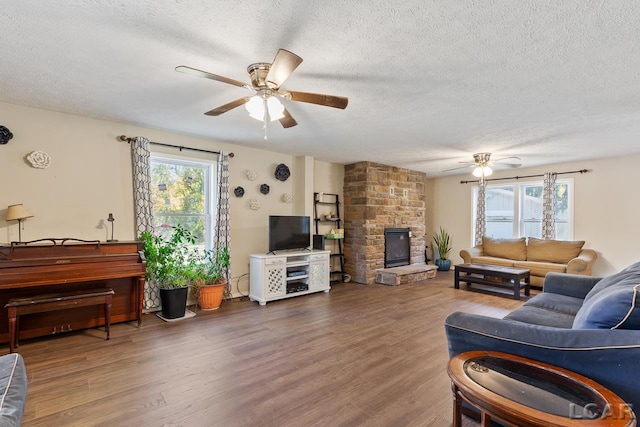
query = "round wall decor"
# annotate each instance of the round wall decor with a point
(238, 191)
(5, 135)
(287, 198)
(282, 172)
(251, 175)
(39, 159)
(264, 189)
(254, 204)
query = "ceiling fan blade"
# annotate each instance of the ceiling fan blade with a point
(226, 107)
(508, 158)
(458, 168)
(282, 66)
(287, 121)
(207, 75)
(319, 99)
(511, 165)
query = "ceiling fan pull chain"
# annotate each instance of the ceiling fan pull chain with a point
(266, 117)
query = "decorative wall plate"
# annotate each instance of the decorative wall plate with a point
(251, 175)
(5, 135)
(264, 189)
(282, 172)
(39, 159)
(287, 198)
(254, 204)
(239, 191)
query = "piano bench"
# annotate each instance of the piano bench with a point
(52, 302)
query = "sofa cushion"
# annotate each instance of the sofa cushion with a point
(555, 302)
(539, 268)
(489, 260)
(515, 249)
(615, 307)
(13, 389)
(541, 316)
(557, 251)
(627, 277)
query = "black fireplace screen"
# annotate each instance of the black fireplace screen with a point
(397, 247)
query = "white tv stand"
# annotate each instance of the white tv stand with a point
(288, 274)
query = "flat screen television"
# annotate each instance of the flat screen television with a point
(289, 232)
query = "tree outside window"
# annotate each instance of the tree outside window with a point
(181, 194)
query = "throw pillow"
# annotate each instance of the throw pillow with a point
(557, 251)
(515, 249)
(616, 307)
(628, 276)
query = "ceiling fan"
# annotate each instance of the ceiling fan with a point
(482, 164)
(266, 82)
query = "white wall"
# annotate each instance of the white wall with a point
(606, 208)
(90, 176)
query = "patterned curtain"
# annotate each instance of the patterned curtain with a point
(223, 227)
(481, 220)
(549, 206)
(140, 154)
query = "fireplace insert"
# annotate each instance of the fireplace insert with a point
(397, 247)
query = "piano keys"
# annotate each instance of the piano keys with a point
(49, 266)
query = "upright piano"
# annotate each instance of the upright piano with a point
(49, 266)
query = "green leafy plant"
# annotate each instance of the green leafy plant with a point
(443, 242)
(169, 258)
(209, 268)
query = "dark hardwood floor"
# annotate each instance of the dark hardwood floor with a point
(359, 355)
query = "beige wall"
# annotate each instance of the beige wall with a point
(605, 203)
(90, 176)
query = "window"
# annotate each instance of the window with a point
(516, 210)
(183, 193)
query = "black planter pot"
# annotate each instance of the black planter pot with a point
(174, 302)
(443, 264)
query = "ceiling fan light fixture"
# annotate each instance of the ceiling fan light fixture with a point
(275, 107)
(256, 108)
(482, 171)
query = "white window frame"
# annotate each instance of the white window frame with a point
(518, 221)
(210, 189)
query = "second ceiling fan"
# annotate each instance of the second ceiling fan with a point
(482, 164)
(266, 82)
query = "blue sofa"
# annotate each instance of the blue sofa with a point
(588, 325)
(13, 390)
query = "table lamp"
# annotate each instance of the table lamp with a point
(111, 219)
(18, 213)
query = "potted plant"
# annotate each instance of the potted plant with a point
(443, 242)
(210, 278)
(168, 265)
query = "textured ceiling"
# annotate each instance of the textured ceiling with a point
(429, 82)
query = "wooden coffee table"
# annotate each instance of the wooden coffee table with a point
(507, 277)
(524, 392)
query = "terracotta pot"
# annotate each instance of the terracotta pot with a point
(210, 296)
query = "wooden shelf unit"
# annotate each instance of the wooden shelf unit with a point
(320, 208)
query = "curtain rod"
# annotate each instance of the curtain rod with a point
(179, 147)
(527, 176)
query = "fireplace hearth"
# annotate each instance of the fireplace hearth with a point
(397, 247)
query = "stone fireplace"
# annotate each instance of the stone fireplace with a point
(379, 197)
